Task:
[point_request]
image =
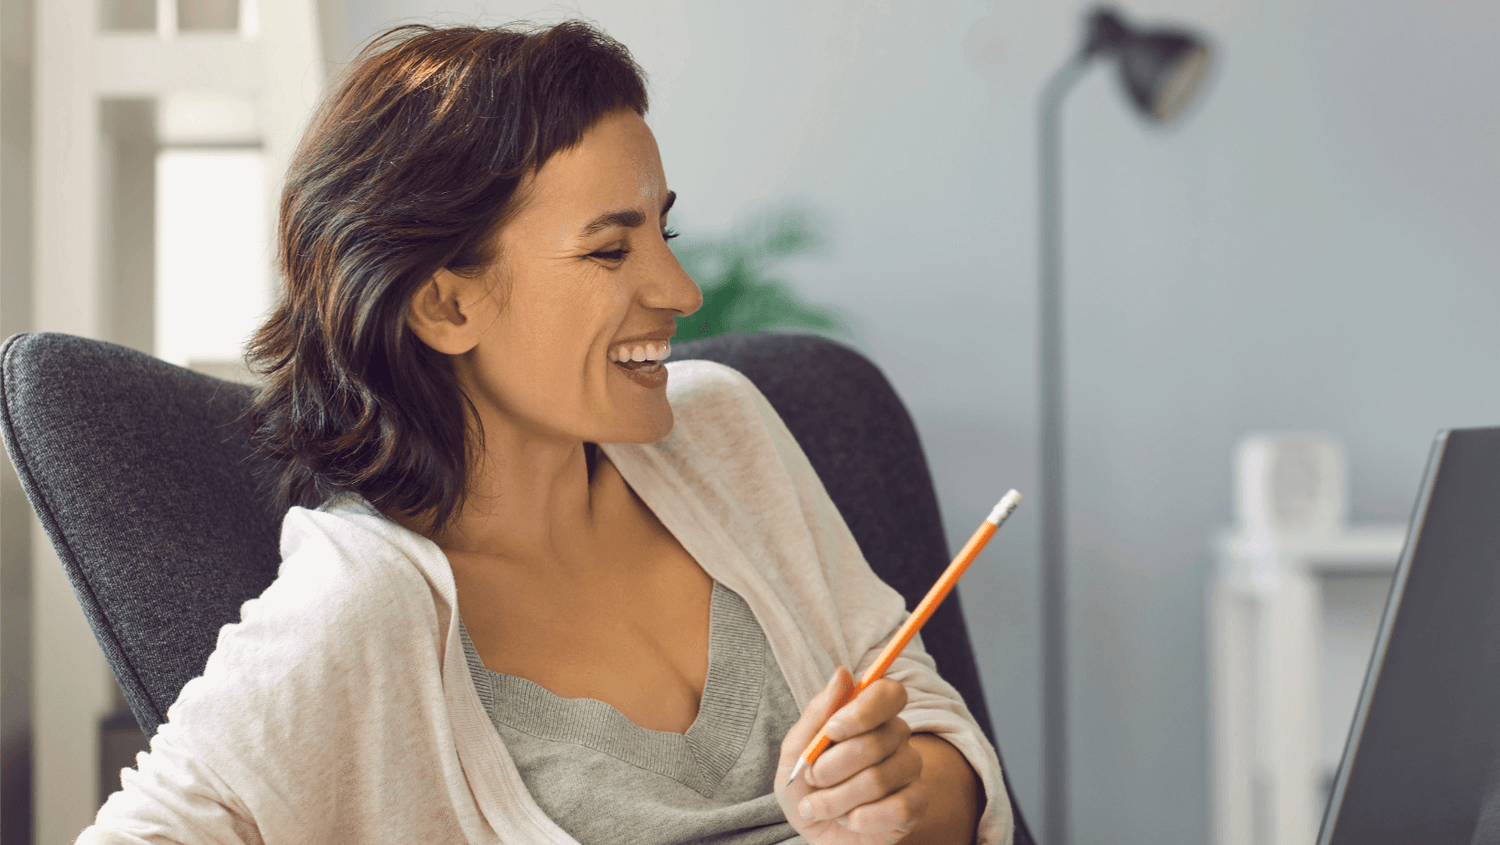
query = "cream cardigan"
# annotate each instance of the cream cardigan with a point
(341, 709)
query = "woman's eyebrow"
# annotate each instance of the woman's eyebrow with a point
(629, 218)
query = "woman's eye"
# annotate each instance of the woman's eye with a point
(610, 254)
(668, 234)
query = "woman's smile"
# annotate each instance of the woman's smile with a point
(642, 362)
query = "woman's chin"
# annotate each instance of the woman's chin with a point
(659, 430)
(647, 427)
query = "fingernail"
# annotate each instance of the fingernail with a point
(805, 808)
(834, 726)
(844, 820)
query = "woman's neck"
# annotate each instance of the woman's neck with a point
(534, 501)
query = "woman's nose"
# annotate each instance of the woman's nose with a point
(669, 287)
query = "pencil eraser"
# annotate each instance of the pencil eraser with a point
(1007, 504)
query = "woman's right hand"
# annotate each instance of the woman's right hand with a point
(865, 789)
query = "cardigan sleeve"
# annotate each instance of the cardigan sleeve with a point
(839, 602)
(314, 717)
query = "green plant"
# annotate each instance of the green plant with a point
(740, 294)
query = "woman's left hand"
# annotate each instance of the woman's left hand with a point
(865, 789)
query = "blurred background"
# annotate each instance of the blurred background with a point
(1303, 251)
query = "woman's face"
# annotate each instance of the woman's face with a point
(583, 271)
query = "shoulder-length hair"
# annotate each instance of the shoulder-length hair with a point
(409, 166)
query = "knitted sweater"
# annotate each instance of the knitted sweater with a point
(341, 708)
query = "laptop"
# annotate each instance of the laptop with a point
(1422, 763)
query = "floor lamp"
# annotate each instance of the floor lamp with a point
(1161, 69)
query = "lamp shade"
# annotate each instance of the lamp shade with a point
(1161, 69)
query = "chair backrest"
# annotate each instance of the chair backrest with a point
(142, 476)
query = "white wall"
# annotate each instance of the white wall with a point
(1306, 251)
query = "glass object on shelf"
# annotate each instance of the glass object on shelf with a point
(1291, 484)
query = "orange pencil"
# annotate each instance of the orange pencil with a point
(918, 617)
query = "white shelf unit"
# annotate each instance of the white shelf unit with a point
(1292, 620)
(91, 150)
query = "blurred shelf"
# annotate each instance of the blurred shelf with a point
(1291, 624)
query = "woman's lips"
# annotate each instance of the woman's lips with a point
(653, 375)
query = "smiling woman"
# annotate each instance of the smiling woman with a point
(411, 166)
(537, 586)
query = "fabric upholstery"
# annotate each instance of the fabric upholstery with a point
(141, 474)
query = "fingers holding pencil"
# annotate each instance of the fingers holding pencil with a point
(865, 790)
(864, 732)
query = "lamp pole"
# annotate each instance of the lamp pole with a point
(1050, 354)
(1161, 70)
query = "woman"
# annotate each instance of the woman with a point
(543, 597)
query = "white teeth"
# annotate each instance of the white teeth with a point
(646, 352)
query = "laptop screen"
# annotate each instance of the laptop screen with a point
(1422, 763)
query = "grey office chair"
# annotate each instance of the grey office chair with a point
(142, 476)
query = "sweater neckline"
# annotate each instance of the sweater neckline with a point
(700, 757)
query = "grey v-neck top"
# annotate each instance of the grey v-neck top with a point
(599, 775)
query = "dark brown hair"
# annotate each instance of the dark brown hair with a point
(409, 166)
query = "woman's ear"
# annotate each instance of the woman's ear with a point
(436, 317)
